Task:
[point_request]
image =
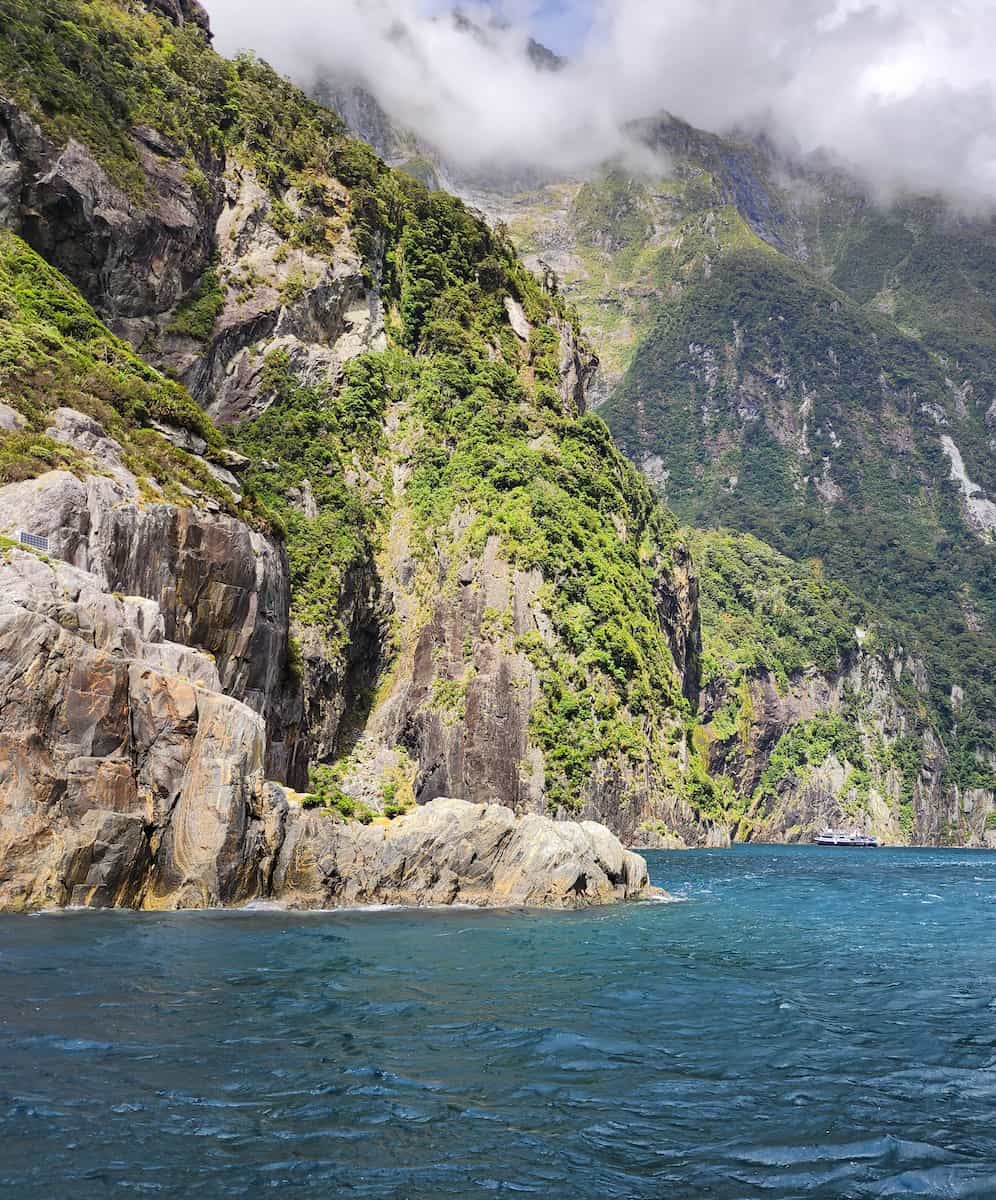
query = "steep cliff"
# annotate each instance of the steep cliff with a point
(343, 451)
(782, 356)
(404, 564)
(815, 710)
(755, 432)
(788, 358)
(767, 398)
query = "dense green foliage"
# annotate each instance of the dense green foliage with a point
(549, 485)
(609, 212)
(93, 70)
(309, 436)
(809, 744)
(780, 407)
(327, 794)
(54, 352)
(196, 316)
(762, 611)
(491, 439)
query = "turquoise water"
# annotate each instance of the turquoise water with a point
(808, 1023)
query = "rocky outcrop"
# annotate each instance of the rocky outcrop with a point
(676, 592)
(454, 852)
(131, 259)
(317, 310)
(182, 11)
(462, 697)
(137, 260)
(128, 779)
(456, 714)
(221, 587)
(126, 776)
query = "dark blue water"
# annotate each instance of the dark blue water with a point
(810, 1023)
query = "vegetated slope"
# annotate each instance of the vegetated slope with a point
(56, 353)
(729, 227)
(788, 359)
(767, 399)
(812, 708)
(485, 600)
(131, 769)
(480, 598)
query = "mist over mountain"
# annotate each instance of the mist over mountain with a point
(899, 91)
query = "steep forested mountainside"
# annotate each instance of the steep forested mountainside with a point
(402, 564)
(784, 357)
(324, 508)
(625, 249)
(821, 373)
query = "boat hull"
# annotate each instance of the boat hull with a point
(846, 843)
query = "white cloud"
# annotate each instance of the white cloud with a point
(904, 91)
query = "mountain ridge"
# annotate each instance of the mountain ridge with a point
(421, 568)
(627, 247)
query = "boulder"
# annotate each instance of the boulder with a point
(453, 852)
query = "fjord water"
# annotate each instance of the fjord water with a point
(808, 1022)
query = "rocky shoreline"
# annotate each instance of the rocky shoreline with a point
(128, 778)
(448, 852)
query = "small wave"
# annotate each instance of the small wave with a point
(78, 910)
(353, 908)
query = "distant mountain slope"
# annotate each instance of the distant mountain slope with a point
(823, 374)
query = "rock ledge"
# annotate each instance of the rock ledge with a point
(453, 852)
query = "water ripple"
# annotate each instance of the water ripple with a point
(805, 1023)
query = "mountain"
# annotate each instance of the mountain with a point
(312, 498)
(783, 356)
(789, 359)
(323, 527)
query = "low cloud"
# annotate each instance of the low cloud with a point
(901, 91)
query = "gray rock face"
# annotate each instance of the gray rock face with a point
(454, 852)
(128, 779)
(676, 593)
(125, 777)
(465, 720)
(221, 587)
(10, 419)
(131, 261)
(320, 313)
(182, 11)
(814, 796)
(578, 371)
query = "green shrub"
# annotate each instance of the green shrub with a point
(196, 316)
(327, 794)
